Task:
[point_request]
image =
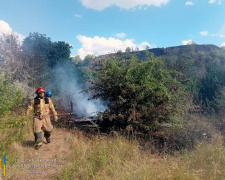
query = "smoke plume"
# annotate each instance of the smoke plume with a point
(66, 84)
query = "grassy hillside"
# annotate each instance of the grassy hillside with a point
(179, 50)
(115, 157)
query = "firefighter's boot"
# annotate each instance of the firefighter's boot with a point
(47, 135)
(38, 140)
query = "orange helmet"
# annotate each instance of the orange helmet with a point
(40, 89)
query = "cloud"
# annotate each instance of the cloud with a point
(223, 44)
(221, 32)
(204, 33)
(124, 4)
(219, 35)
(215, 1)
(5, 29)
(189, 3)
(78, 15)
(100, 45)
(145, 44)
(121, 35)
(187, 42)
(20, 37)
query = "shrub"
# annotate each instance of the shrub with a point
(141, 94)
(10, 96)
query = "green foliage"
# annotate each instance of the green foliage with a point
(43, 49)
(76, 59)
(88, 60)
(203, 73)
(119, 53)
(183, 64)
(11, 125)
(143, 94)
(60, 50)
(10, 96)
(12, 130)
(43, 54)
(128, 50)
(37, 44)
(211, 86)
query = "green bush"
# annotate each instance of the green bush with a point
(141, 94)
(11, 125)
(10, 96)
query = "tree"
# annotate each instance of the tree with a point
(38, 45)
(128, 50)
(76, 59)
(142, 94)
(43, 55)
(59, 50)
(119, 53)
(12, 59)
(10, 95)
(37, 48)
(211, 86)
(43, 49)
(88, 60)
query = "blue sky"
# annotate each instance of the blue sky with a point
(104, 26)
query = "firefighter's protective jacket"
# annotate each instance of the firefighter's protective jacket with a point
(42, 107)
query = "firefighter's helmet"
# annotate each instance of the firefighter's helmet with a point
(39, 90)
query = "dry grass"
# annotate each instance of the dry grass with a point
(103, 158)
(116, 158)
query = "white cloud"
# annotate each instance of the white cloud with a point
(212, 1)
(204, 33)
(189, 3)
(219, 35)
(20, 37)
(7, 30)
(125, 4)
(221, 32)
(215, 1)
(78, 15)
(187, 42)
(223, 44)
(100, 45)
(145, 44)
(121, 35)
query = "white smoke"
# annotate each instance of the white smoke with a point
(69, 90)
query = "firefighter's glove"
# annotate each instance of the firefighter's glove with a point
(56, 118)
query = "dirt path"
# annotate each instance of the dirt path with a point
(51, 158)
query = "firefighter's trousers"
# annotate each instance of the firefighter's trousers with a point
(40, 124)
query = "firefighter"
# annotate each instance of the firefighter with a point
(42, 106)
